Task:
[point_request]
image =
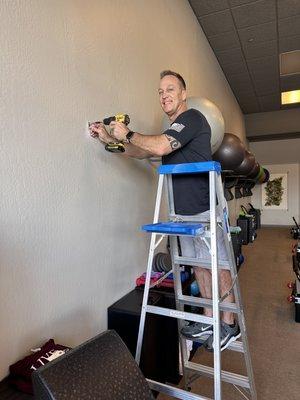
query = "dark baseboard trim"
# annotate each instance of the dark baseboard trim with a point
(277, 226)
(274, 136)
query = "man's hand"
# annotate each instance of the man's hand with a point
(97, 130)
(119, 130)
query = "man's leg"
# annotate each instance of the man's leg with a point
(225, 283)
(197, 329)
(203, 278)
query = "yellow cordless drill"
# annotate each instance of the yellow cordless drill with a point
(116, 147)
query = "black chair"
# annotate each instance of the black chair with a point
(101, 368)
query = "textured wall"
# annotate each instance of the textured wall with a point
(70, 213)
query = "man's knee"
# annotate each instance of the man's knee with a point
(200, 271)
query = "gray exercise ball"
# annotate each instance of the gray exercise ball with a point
(231, 152)
(212, 114)
(246, 165)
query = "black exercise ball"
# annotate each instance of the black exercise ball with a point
(246, 165)
(231, 152)
(254, 172)
(267, 176)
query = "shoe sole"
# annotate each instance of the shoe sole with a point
(232, 339)
(198, 336)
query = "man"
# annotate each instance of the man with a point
(187, 140)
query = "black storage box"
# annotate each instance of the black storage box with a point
(160, 352)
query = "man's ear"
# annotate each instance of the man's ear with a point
(183, 94)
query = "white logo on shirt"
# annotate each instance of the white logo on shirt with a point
(177, 127)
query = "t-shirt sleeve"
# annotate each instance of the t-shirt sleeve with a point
(185, 128)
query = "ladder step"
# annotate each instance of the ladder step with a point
(175, 392)
(234, 346)
(169, 312)
(229, 377)
(222, 264)
(175, 228)
(207, 303)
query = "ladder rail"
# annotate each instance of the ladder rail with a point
(148, 274)
(215, 286)
(236, 289)
(179, 305)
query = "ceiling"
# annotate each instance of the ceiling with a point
(247, 37)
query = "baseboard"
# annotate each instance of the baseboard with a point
(276, 226)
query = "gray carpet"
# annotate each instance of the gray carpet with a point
(273, 334)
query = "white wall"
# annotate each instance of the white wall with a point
(70, 214)
(277, 151)
(280, 152)
(281, 121)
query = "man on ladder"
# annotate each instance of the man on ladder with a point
(186, 141)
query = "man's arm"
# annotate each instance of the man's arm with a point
(98, 130)
(157, 145)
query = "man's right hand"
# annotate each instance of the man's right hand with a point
(97, 130)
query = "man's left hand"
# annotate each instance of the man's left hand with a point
(119, 130)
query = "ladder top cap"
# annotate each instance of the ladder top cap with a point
(190, 168)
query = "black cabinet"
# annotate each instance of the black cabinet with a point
(160, 352)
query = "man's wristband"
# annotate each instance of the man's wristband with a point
(129, 135)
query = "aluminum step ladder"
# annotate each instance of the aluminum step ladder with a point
(193, 226)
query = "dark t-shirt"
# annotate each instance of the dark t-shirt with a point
(191, 191)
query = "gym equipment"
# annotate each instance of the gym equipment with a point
(247, 186)
(229, 183)
(295, 230)
(115, 147)
(235, 232)
(206, 231)
(252, 223)
(101, 368)
(211, 113)
(257, 216)
(267, 176)
(254, 172)
(237, 190)
(261, 175)
(246, 165)
(162, 262)
(295, 286)
(246, 222)
(231, 152)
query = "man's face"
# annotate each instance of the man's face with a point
(172, 96)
